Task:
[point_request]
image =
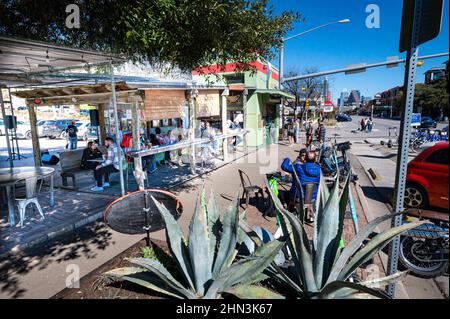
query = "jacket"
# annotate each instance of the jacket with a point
(307, 173)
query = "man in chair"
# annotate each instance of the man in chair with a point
(309, 172)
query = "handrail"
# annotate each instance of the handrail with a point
(184, 144)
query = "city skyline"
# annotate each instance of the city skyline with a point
(338, 46)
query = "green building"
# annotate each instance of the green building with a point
(251, 96)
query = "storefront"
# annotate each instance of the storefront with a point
(252, 97)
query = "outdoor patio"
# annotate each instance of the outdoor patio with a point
(76, 208)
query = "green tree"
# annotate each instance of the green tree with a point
(432, 97)
(185, 33)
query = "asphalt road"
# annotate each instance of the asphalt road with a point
(380, 128)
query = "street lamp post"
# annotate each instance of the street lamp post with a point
(283, 40)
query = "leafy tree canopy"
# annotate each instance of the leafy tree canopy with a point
(433, 95)
(184, 33)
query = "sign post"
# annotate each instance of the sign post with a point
(420, 23)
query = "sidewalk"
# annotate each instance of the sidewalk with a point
(376, 195)
(41, 271)
(74, 209)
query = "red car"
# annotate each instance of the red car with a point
(427, 178)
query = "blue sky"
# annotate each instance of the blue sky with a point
(339, 45)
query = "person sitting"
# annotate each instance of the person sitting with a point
(309, 172)
(301, 159)
(110, 165)
(91, 152)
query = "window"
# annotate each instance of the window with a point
(439, 157)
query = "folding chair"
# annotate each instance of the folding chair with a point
(249, 189)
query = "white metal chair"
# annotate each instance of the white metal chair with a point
(30, 198)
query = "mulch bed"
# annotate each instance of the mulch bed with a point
(124, 290)
(119, 290)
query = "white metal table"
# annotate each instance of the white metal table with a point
(9, 176)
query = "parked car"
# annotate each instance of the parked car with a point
(343, 118)
(40, 127)
(56, 128)
(427, 178)
(427, 122)
(83, 130)
(91, 134)
(23, 130)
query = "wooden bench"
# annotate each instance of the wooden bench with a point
(70, 161)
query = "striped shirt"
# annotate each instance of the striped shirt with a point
(112, 157)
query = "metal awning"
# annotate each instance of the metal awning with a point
(25, 62)
(275, 93)
(78, 94)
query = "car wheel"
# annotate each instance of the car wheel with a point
(85, 138)
(28, 135)
(415, 196)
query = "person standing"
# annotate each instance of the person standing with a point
(366, 124)
(309, 132)
(291, 133)
(321, 133)
(362, 123)
(370, 125)
(296, 130)
(109, 165)
(71, 132)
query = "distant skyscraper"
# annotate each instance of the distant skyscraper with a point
(343, 98)
(354, 98)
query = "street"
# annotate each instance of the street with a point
(369, 153)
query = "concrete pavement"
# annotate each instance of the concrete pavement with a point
(41, 272)
(377, 193)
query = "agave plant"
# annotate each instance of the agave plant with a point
(205, 265)
(321, 267)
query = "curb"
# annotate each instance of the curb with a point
(369, 216)
(51, 234)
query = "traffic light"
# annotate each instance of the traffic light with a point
(307, 104)
(419, 63)
(303, 89)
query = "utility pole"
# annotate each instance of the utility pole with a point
(416, 14)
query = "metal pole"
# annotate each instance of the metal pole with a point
(116, 119)
(15, 130)
(405, 129)
(280, 84)
(11, 163)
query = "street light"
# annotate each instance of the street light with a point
(343, 21)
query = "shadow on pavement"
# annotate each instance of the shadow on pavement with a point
(77, 244)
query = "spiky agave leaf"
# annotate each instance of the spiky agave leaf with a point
(374, 246)
(328, 231)
(349, 290)
(355, 243)
(163, 274)
(199, 248)
(214, 224)
(177, 244)
(142, 278)
(243, 269)
(253, 292)
(300, 250)
(227, 246)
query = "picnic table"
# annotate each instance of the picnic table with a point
(10, 176)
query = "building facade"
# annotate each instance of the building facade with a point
(251, 96)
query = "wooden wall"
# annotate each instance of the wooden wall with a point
(208, 103)
(163, 104)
